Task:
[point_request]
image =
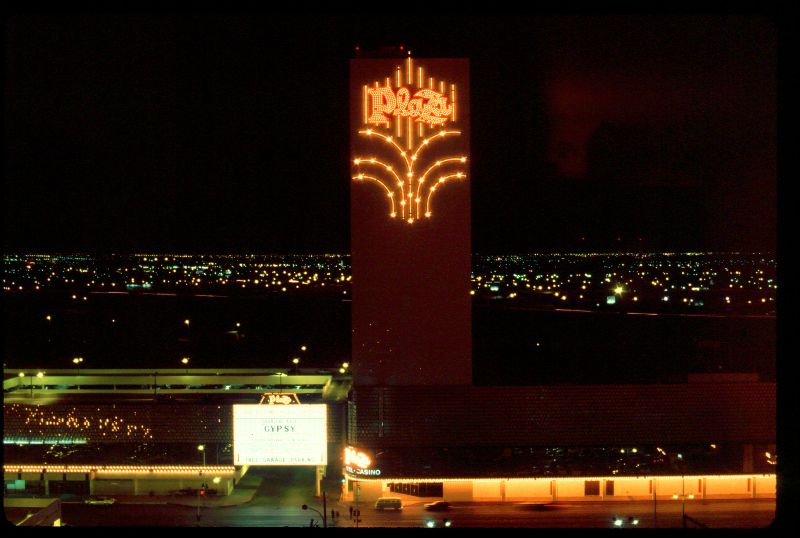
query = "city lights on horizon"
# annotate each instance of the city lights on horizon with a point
(698, 281)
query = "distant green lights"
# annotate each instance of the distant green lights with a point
(43, 441)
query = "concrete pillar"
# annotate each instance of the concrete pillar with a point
(747, 459)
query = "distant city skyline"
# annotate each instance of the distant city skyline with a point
(133, 133)
(640, 318)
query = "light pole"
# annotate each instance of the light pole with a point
(185, 362)
(358, 496)
(77, 362)
(202, 449)
(655, 500)
(40, 375)
(22, 382)
(683, 501)
(280, 375)
(323, 515)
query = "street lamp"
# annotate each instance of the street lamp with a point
(22, 382)
(77, 362)
(323, 514)
(683, 501)
(202, 449)
(185, 362)
(40, 375)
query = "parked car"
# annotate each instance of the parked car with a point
(100, 500)
(437, 506)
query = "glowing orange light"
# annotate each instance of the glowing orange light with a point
(356, 458)
(426, 107)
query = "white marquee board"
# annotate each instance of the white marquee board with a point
(280, 434)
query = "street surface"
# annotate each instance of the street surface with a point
(279, 497)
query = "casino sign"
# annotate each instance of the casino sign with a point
(358, 463)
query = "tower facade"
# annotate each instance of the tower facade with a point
(410, 221)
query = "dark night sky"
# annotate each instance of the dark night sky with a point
(230, 134)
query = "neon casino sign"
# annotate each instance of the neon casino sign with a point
(407, 116)
(358, 463)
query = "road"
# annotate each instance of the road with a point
(265, 512)
(281, 493)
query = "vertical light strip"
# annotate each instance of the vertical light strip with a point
(397, 76)
(453, 99)
(431, 86)
(389, 85)
(365, 104)
(420, 84)
(410, 131)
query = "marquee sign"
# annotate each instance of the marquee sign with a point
(279, 398)
(408, 116)
(280, 434)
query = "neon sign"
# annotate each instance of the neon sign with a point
(406, 171)
(281, 398)
(362, 472)
(356, 457)
(427, 106)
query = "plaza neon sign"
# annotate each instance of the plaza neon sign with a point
(427, 106)
(405, 169)
(282, 398)
(356, 458)
(358, 463)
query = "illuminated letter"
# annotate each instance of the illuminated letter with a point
(436, 110)
(383, 102)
